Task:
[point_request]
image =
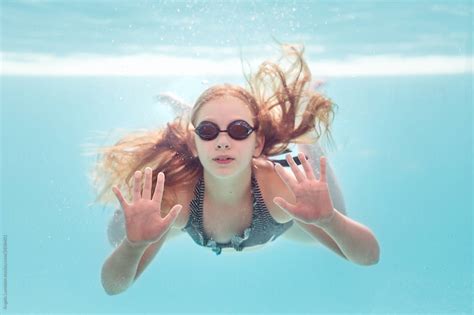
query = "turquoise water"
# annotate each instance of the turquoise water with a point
(404, 167)
(403, 159)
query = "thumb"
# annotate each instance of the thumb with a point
(173, 215)
(282, 203)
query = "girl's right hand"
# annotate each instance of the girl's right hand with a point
(143, 221)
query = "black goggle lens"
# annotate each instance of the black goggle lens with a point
(207, 131)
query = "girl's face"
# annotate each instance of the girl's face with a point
(222, 111)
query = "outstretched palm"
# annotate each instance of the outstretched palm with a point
(313, 201)
(143, 220)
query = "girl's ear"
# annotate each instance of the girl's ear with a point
(259, 146)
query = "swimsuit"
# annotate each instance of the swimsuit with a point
(263, 228)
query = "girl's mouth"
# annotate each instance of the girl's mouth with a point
(224, 161)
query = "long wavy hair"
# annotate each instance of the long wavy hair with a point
(285, 107)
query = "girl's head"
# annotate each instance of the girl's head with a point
(279, 103)
(232, 109)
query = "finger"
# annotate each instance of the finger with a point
(172, 215)
(285, 177)
(298, 174)
(123, 203)
(147, 188)
(137, 186)
(285, 205)
(158, 194)
(306, 166)
(323, 162)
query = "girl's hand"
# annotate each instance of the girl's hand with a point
(143, 221)
(313, 202)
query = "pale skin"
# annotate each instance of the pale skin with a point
(227, 209)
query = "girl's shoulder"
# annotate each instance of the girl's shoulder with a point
(269, 182)
(184, 197)
(271, 186)
(181, 195)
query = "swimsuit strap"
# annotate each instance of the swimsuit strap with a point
(262, 229)
(284, 162)
(236, 240)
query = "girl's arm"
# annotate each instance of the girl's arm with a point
(343, 235)
(126, 263)
(118, 271)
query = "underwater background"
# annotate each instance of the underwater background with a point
(400, 73)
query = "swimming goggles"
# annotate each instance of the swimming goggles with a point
(237, 130)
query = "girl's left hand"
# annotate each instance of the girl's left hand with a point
(313, 202)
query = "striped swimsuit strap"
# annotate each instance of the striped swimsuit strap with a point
(197, 212)
(262, 229)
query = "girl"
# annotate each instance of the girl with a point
(209, 176)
